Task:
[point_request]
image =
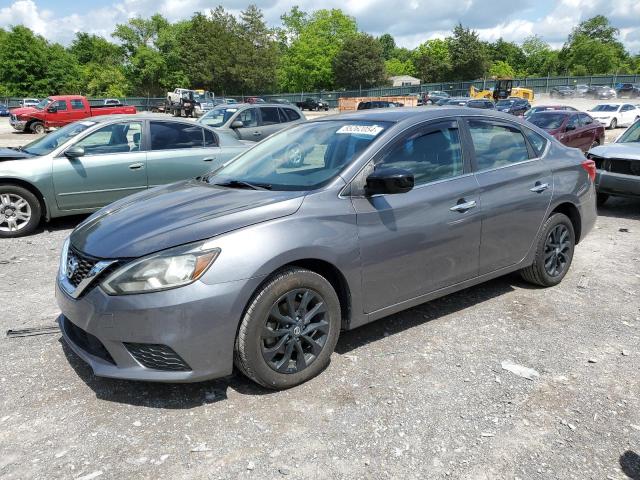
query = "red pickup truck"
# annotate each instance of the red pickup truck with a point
(57, 111)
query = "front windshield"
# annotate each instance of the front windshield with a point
(218, 116)
(303, 157)
(605, 108)
(631, 135)
(45, 145)
(547, 121)
(43, 103)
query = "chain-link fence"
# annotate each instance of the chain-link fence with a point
(538, 84)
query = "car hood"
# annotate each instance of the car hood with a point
(24, 111)
(11, 154)
(627, 151)
(176, 214)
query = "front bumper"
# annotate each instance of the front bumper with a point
(19, 125)
(197, 322)
(617, 184)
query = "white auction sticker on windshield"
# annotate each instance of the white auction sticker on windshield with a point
(372, 130)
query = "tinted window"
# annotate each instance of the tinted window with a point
(431, 154)
(248, 117)
(585, 119)
(61, 105)
(172, 135)
(626, 108)
(497, 145)
(548, 121)
(292, 114)
(210, 139)
(573, 122)
(269, 115)
(537, 141)
(114, 138)
(77, 104)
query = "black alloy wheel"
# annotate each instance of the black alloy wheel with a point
(556, 249)
(295, 331)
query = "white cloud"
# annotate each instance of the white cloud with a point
(410, 22)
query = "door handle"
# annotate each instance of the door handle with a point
(539, 187)
(136, 166)
(256, 134)
(209, 159)
(464, 206)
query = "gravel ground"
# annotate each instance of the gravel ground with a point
(421, 394)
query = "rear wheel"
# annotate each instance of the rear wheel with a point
(289, 330)
(554, 252)
(20, 211)
(601, 199)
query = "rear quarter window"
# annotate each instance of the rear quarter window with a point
(537, 141)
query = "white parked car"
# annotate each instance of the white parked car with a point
(613, 115)
(29, 102)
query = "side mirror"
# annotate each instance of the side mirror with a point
(237, 124)
(52, 109)
(389, 180)
(74, 152)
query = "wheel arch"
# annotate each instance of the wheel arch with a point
(571, 211)
(33, 189)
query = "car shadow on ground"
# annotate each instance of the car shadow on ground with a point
(192, 395)
(61, 223)
(427, 312)
(622, 208)
(630, 464)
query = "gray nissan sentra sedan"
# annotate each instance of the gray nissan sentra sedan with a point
(323, 227)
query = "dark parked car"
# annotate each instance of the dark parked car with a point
(472, 103)
(324, 227)
(573, 129)
(580, 90)
(630, 90)
(378, 104)
(4, 110)
(601, 93)
(562, 92)
(313, 104)
(452, 101)
(618, 165)
(514, 106)
(548, 108)
(434, 97)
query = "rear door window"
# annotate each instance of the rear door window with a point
(497, 144)
(77, 104)
(270, 115)
(175, 135)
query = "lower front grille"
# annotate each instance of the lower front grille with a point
(619, 165)
(157, 357)
(86, 341)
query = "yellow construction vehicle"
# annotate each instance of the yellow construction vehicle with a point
(504, 88)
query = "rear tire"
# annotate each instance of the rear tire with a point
(554, 252)
(601, 199)
(20, 211)
(272, 333)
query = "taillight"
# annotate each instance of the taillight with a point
(590, 167)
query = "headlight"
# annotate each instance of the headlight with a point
(62, 270)
(171, 268)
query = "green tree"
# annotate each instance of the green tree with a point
(508, 52)
(468, 55)
(388, 45)
(394, 67)
(540, 59)
(432, 61)
(308, 62)
(89, 48)
(359, 63)
(23, 57)
(501, 69)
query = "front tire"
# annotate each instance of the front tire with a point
(554, 252)
(20, 211)
(38, 128)
(614, 124)
(289, 330)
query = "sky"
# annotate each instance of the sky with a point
(411, 22)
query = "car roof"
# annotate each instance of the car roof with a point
(566, 113)
(135, 116)
(397, 115)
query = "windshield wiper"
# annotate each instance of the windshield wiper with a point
(243, 184)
